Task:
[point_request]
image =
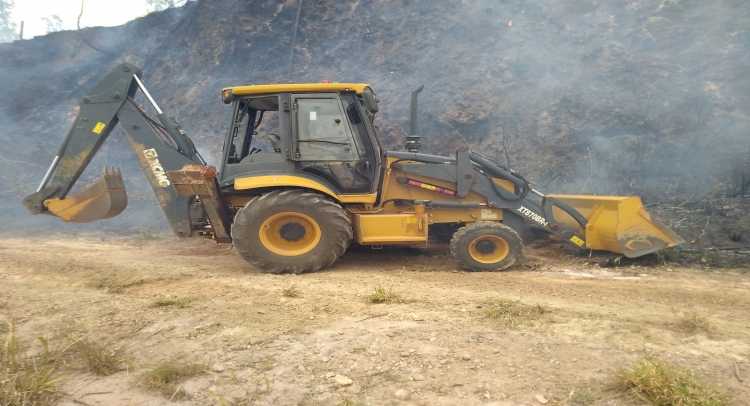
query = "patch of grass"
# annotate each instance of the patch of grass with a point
(167, 375)
(266, 366)
(587, 396)
(534, 264)
(291, 291)
(693, 323)
(116, 285)
(512, 313)
(382, 296)
(663, 384)
(347, 401)
(100, 358)
(177, 302)
(24, 379)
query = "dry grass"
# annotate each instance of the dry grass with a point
(166, 376)
(345, 400)
(291, 291)
(24, 379)
(662, 384)
(693, 323)
(176, 302)
(587, 396)
(512, 313)
(116, 285)
(382, 296)
(100, 358)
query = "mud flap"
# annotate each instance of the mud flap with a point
(617, 224)
(104, 199)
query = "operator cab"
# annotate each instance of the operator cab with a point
(322, 132)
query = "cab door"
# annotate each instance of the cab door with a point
(327, 143)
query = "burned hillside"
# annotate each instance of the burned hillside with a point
(596, 98)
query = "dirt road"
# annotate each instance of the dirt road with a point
(329, 345)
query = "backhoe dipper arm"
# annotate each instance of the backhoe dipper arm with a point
(160, 147)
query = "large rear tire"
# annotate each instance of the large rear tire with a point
(291, 231)
(486, 246)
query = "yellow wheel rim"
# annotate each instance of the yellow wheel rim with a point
(289, 234)
(489, 249)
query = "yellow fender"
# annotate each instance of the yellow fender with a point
(281, 181)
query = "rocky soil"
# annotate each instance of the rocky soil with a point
(329, 345)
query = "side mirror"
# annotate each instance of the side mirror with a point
(371, 102)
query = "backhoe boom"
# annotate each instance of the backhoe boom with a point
(160, 146)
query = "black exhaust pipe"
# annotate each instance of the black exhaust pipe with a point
(413, 139)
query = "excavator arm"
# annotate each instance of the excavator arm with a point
(160, 145)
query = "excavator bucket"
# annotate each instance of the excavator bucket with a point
(617, 224)
(104, 199)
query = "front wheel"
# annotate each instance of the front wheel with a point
(291, 231)
(486, 246)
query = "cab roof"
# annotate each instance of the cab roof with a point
(297, 87)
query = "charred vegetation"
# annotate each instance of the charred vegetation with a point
(594, 98)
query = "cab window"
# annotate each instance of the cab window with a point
(256, 129)
(323, 132)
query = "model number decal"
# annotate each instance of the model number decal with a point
(156, 168)
(530, 214)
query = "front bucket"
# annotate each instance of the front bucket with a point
(617, 224)
(104, 199)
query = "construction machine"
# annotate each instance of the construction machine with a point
(303, 174)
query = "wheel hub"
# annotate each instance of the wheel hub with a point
(486, 247)
(292, 231)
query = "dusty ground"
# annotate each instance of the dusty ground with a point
(436, 348)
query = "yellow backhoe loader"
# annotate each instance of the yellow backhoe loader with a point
(303, 174)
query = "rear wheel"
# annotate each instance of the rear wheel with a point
(291, 231)
(486, 246)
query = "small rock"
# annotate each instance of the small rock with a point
(418, 377)
(355, 389)
(541, 399)
(261, 312)
(401, 394)
(255, 341)
(325, 359)
(321, 389)
(217, 368)
(405, 354)
(342, 380)
(301, 368)
(330, 374)
(433, 339)
(487, 395)
(466, 357)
